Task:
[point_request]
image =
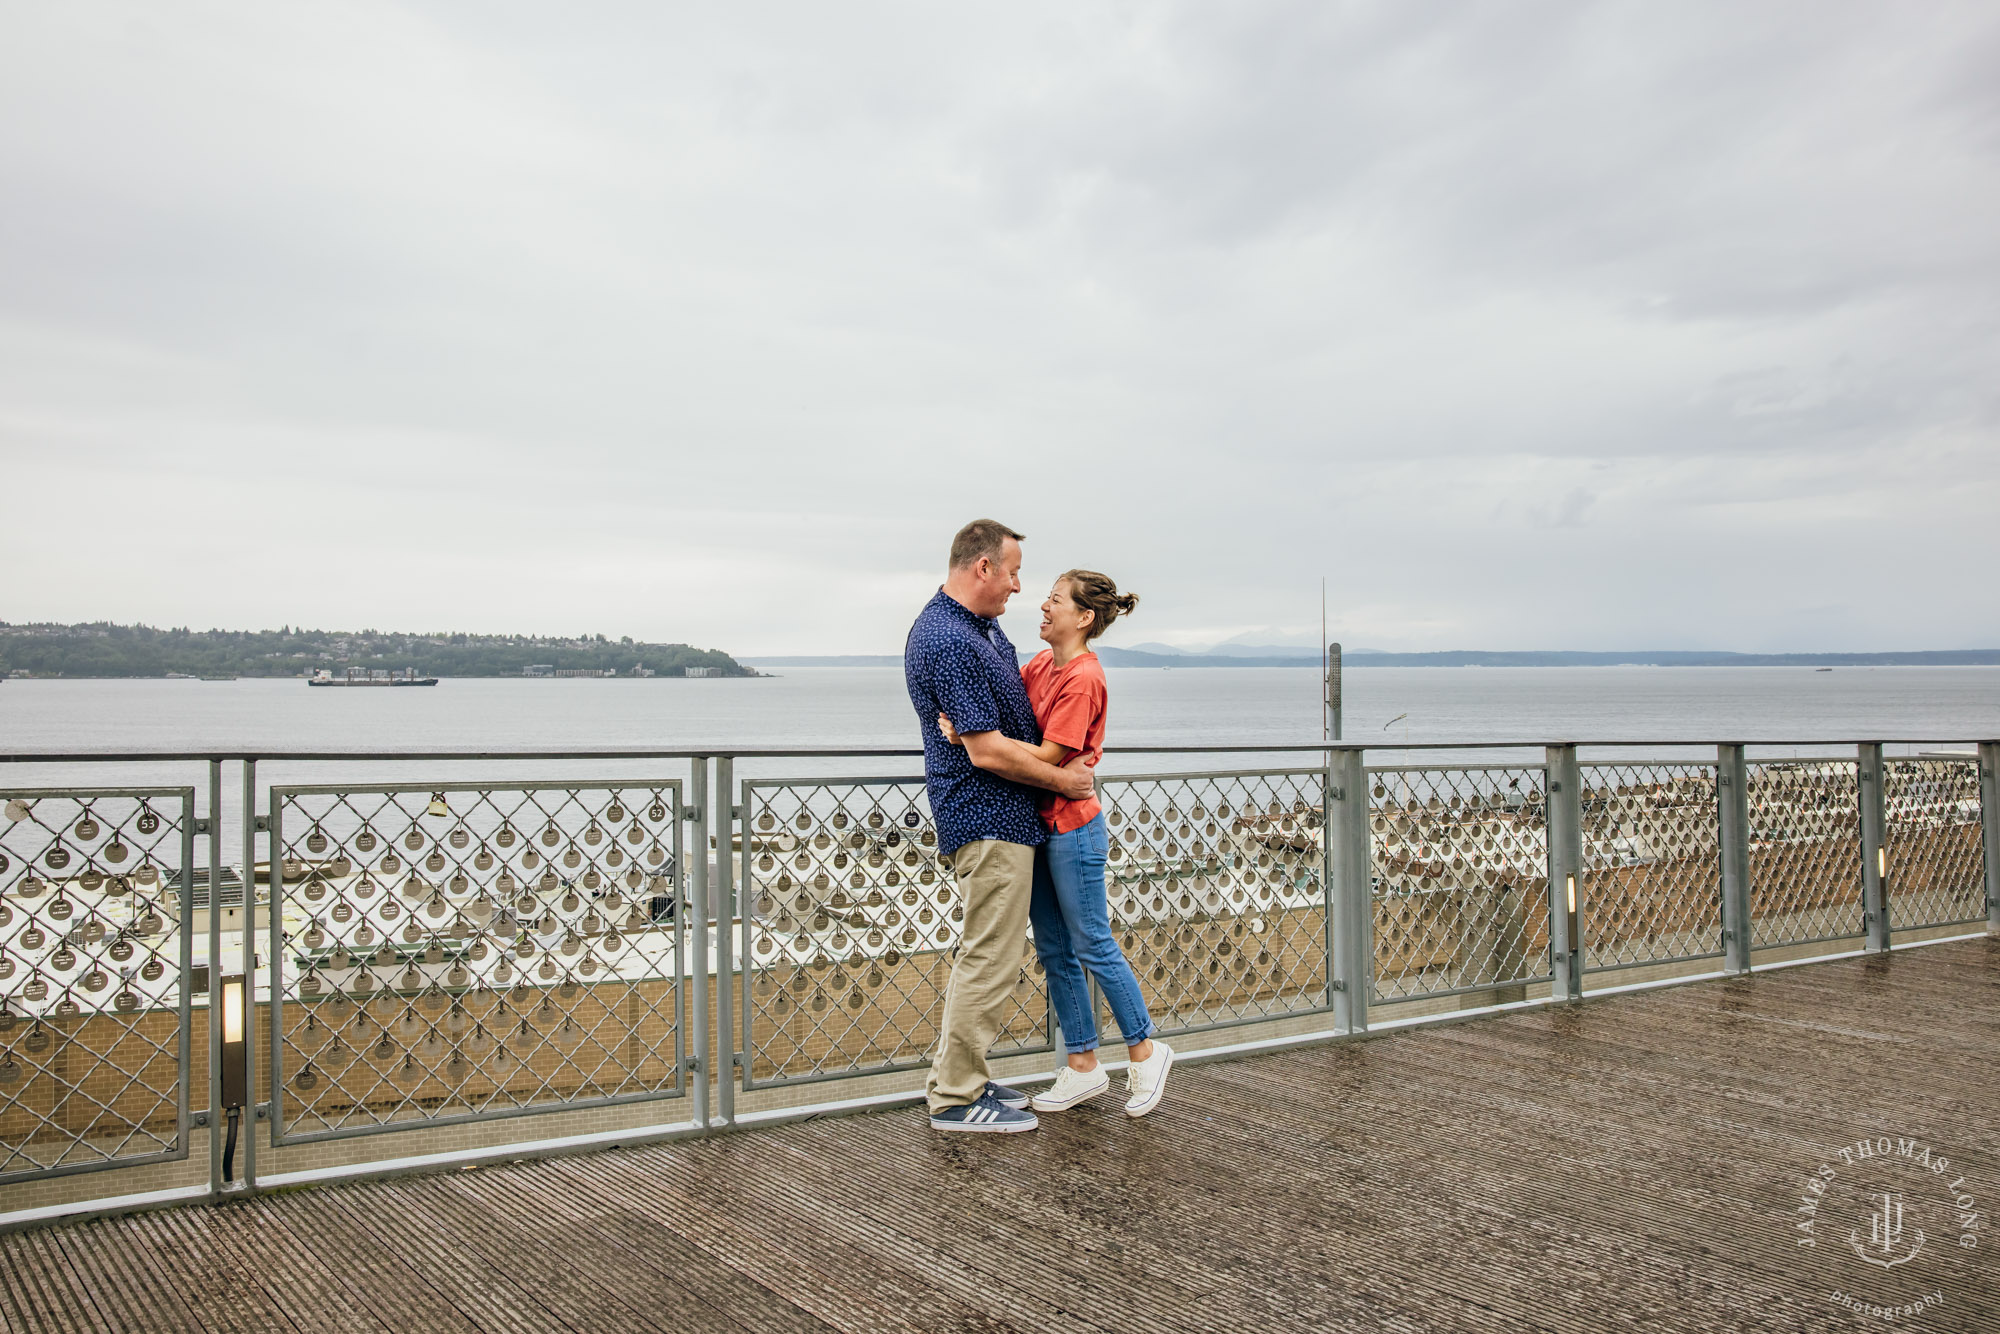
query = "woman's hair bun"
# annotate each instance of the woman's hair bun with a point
(1098, 594)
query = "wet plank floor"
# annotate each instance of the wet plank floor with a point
(1633, 1162)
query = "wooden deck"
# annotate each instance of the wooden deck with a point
(1634, 1162)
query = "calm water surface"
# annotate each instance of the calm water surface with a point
(866, 707)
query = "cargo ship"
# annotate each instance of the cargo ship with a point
(362, 676)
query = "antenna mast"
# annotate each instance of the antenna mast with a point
(1329, 674)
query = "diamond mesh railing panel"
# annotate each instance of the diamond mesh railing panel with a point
(93, 979)
(1217, 886)
(1460, 869)
(1651, 888)
(1805, 851)
(1216, 891)
(849, 923)
(1937, 866)
(463, 952)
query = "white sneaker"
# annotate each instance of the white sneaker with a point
(1072, 1086)
(1146, 1081)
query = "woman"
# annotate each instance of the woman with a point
(1070, 910)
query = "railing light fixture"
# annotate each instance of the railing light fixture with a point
(233, 1081)
(1570, 882)
(1882, 862)
(232, 1010)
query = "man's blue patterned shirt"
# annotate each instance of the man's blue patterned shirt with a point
(964, 667)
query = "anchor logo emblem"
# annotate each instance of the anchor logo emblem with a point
(1885, 1235)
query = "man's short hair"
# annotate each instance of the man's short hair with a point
(981, 537)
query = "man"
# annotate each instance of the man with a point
(958, 662)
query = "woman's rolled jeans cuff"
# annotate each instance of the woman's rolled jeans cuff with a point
(1071, 913)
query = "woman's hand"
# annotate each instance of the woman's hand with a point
(950, 732)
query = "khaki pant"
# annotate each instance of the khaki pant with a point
(996, 880)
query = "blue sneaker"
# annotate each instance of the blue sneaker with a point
(986, 1116)
(1007, 1097)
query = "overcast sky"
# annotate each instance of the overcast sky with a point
(1528, 325)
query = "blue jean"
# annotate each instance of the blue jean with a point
(1072, 920)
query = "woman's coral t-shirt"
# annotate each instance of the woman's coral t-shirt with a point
(1069, 704)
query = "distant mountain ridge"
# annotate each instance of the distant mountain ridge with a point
(1266, 643)
(1235, 651)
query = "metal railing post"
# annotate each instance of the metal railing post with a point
(184, 919)
(246, 1140)
(1565, 833)
(696, 844)
(274, 941)
(1989, 820)
(214, 978)
(1350, 915)
(1732, 813)
(725, 897)
(1874, 848)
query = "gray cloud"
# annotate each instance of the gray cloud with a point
(1552, 326)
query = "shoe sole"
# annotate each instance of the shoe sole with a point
(1038, 1105)
(1159, 1090)
(985, 1128)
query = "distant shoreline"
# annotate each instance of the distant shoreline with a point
(104, 650)
(747, 675)
(1119, 657)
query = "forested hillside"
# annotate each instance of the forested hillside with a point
(103, 649)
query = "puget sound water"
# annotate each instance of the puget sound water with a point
(866, 707)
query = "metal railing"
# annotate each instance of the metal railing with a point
(1804, 843)
(442, 953)
(847, 925)
(676, 952)
(1219, 894)
(1652, 883)
(1461, 872)
(1935, 869)
(96, 925)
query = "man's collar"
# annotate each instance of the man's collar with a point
(983, 622)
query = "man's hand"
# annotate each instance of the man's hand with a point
(950, 732)
(1079, 783)
(1013, 760)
